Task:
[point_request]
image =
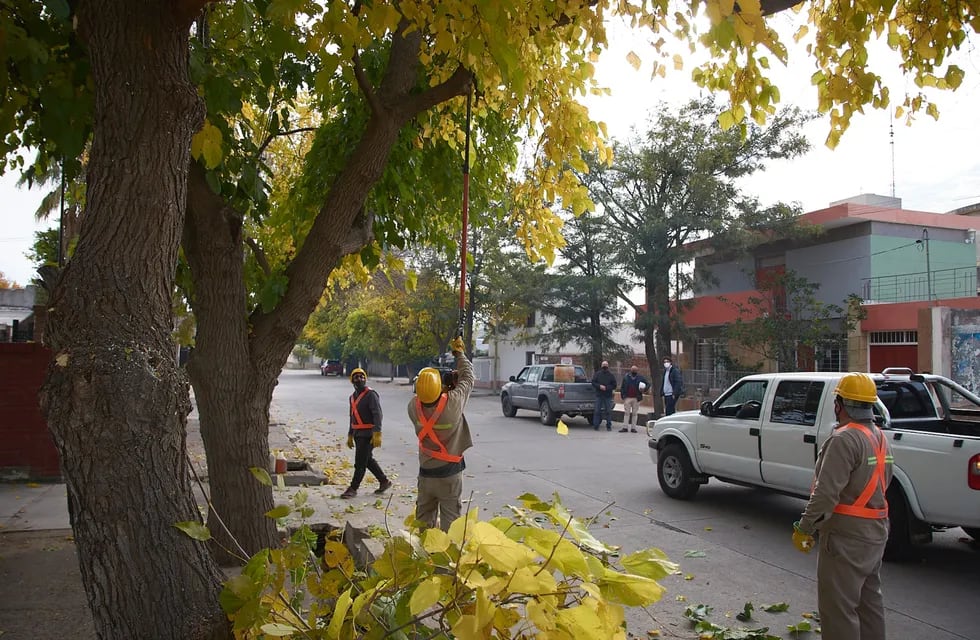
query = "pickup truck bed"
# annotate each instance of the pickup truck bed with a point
(551, 390)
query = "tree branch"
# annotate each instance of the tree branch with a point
(455, 85)
(259, 254)
(273, 136)
(365, 85)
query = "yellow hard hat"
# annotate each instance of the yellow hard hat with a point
(858, 387)
(358, 371)
(428, 386)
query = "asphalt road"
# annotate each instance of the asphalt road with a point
(733, 543)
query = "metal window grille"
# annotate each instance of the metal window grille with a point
(893, 337)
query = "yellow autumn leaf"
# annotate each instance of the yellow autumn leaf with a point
(634, 60)
(62, 359)
(496, 549)
(630, 590)
(339, 614)
(435, 540)
(528, 580)
(650, 563)
(425, 595)
(206, 145)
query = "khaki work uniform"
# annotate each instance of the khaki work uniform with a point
(848, 582)
(441, 482)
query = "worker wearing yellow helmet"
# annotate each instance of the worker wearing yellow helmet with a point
(364, 434)
(848, 507)
(443, 436)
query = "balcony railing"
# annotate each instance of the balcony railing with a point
(960, 282)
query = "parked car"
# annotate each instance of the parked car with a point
(551, 389)
(331, 368)
(766, 430)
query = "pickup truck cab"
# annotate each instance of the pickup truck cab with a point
(552, 390)
(766, 429)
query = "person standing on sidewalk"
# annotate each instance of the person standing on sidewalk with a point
(631, 391)
(848, 507)
(364, 434)
(605, 383)
(673, 386)
(444, 435)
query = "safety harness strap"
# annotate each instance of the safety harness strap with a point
(428, 431)
(358, 423)
(860, 508)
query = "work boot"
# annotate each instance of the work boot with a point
(385, 485)
(349, 493)
(624, 430)
(633, 430)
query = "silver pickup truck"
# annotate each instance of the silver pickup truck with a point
(553, 390)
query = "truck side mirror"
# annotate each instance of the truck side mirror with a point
(707, 408)
(513, 379)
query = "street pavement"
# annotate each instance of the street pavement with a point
(733, 543)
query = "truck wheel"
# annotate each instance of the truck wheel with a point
(507, 406)
(548, 417)
(973, 532)
(899, 546)
(674, 471)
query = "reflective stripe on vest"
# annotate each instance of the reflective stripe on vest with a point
(860, 508)
(358, 423)
(428, 431)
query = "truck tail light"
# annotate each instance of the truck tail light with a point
(973, 473)
(561, 391)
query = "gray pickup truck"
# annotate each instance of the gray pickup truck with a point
(553, 390)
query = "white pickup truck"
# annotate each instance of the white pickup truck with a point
(766, 430)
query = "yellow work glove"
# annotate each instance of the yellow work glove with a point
(457, 346)
(350, 442)
(376, 439)
(802, 541)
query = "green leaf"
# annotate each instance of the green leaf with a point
(697, 613)
(261, 475)
(58, 8)
(799, 627)
(692, 553)
(777, 607)
(281, 511)
(195, 530)
(746, 613)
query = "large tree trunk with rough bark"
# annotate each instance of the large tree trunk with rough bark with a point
(232, 396)
(114, 398)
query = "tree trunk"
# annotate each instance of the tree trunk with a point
(232, 396)
(114, 398)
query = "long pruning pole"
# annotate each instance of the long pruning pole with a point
(466, 214)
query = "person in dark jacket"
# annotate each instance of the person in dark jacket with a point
(364, 434)
(673, 386)
(605, 383)
(631, 391)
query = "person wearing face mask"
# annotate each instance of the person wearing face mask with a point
(605, 383)
(848, 507)
(672, 387)
(631, 392)
(364, 434)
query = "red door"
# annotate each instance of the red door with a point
(894, 355)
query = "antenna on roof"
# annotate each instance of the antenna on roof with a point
(891, 134)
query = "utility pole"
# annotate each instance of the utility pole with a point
(925, 242)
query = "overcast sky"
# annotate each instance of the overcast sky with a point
(936, 164)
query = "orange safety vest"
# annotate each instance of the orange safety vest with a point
(358, 423)
(428, 431)
(860, 508)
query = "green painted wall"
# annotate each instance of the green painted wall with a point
(898, 269)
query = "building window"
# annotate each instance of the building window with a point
(831, 357)
(528, 357)
(710, 354)
(893, 337)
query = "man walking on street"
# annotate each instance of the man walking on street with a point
(364, 434)
(632, 393)
(605, 383)
(673, 386)
(437, 413)
(848, 507)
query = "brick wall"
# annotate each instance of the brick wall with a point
(27, 450)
